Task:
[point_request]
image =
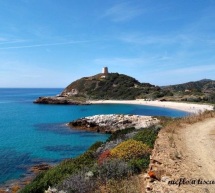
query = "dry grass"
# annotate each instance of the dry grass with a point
(173, 125)
(179, 123)
(199, 117)
(171, 140)
(130, 185)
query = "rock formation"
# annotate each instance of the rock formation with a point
(58, 100)
(112, 122)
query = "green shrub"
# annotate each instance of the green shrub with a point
(95, 146)
(138, 165)
(147, 136)
(120, 134)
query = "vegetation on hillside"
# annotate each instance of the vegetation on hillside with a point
(114, 86)
(198, 91)
(122, 87)
(109, 166)
(102, 165)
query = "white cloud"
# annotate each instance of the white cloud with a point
(43, 45)
(177, 38)
(11, 40)
(123, 12)
(191, 70)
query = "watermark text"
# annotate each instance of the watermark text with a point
(192, 181)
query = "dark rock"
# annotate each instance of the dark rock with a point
(58, 100)
(40, 167)
(92, 124)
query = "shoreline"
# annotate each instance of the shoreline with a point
(187, 107)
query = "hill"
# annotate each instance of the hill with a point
(204, 86)
(112, 86)
(115, 86)
(196, 91)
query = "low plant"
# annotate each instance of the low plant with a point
(138, 165)
(147, 136)
(105, 155)
(130, 149)
(114, 169)
(107, 146)
(81, 182)
(120, 134)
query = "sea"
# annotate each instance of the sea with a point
(31, 133)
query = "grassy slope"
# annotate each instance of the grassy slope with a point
(114, 86)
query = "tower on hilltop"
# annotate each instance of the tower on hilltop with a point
(105, 70)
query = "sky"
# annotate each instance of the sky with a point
(51, 43)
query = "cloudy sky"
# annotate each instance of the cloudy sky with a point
(50, 43)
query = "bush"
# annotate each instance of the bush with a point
(130, 149)
(107, 146)
(81, 182)
(147, 136)
(137, 165)
(113, 169)
(211, 97)
(104, 156)
(95, 146)
(120, 134)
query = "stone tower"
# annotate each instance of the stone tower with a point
(105, 70)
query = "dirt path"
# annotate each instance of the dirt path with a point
(200, 145)
(185, 156)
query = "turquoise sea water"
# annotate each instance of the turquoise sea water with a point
(32, 133)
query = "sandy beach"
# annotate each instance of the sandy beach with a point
(188, 107)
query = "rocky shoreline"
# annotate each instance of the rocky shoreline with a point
(58, 100)
(15, 185)
(111, 123)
